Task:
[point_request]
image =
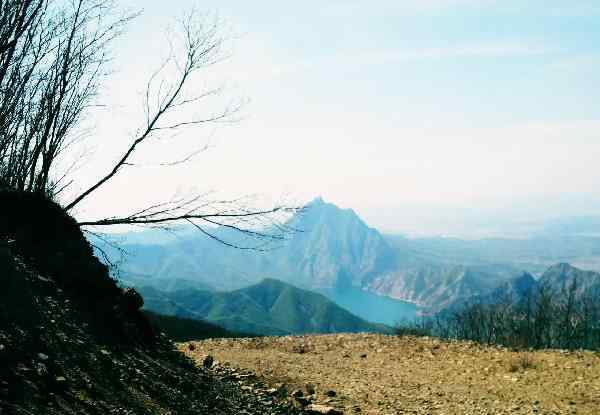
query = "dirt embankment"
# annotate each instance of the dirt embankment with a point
(73, 342)
(376, 374)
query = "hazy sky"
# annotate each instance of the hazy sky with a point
(418, 114)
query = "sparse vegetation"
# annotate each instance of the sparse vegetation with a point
(543, 318)
(417, 328)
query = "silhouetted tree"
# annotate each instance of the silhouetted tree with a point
(53, 59)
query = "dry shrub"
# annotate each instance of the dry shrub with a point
(522, 361)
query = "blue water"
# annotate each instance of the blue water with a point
(373, 307)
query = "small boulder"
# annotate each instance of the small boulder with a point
(60, 382)
(208, 362)
(316, 409)
(41, 370)
(302, 400)
(271, 391)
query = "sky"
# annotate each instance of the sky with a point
(428, 117)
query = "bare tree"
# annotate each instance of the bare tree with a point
(541, 318)
(53, 61)
(53, 57)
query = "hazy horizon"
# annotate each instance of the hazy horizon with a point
(436, 117)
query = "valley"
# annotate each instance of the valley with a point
(376, 277)
(164, 248)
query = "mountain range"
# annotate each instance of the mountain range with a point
(559, 279)
(337, 254)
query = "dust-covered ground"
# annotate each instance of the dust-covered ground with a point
(377, 374)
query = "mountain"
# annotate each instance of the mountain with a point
(514, 291)
(335, 248)
(436, 286)
(338, 254)
(334, 252)
(562, 276)
(558, 278)
(270, 307)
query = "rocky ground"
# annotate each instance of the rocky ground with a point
(376, 374)
(54, 362)
(72, 341)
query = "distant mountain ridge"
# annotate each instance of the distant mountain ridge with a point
(337, 252)
(559, 279)
(270, 307)
(562, 277)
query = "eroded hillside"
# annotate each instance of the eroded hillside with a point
(73, 342)
(377, 374)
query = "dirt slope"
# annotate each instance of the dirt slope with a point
(376, 374)
(73, 342)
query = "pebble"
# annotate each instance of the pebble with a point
(323, 410)
(41, 369)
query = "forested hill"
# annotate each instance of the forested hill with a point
(270, 307)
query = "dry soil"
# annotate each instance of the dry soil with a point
(377, 374)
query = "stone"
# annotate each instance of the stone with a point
(271, 391)
(41, 369)
(42, 356)
(208, 362)
(322, 410)
(61, 382)
(302, 400)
